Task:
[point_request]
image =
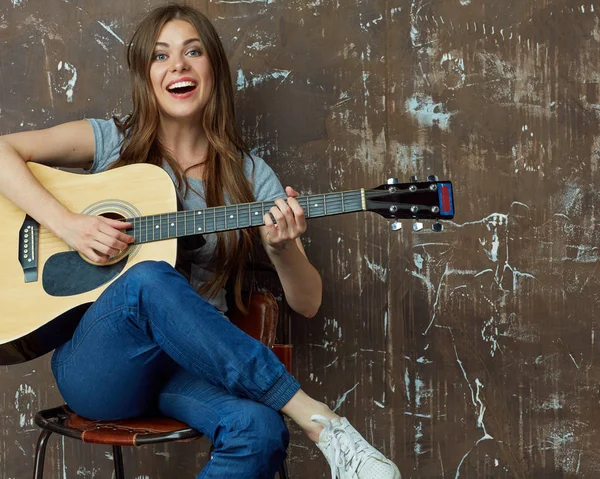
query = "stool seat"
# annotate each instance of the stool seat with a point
(127, 432)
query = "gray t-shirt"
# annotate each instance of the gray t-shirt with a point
(196, 255)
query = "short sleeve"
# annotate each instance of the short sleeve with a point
(108, 141)
(265, 183)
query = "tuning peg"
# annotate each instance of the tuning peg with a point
(432, 178)
(396, 226)
(437, 227)
(418, 226)
(393, 181)
(414, 179)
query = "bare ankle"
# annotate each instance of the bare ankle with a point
(301, 408)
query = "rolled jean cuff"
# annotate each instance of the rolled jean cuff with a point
(281, 392)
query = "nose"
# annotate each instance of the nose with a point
(179, 63)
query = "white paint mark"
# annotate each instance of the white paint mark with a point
(425, 416)
(379, 271)
(418, 435)
(256, 80)
(83, 471)
(259, 46)
(421, 391)
(489, 333)
(584, 254)
(482, 409)
(21, 448)
(428, 113)
(553, 403)
(343, 398)
(70, 84)
(418, 261)
(64, 463)
(574, 362)
(484, 271)
(437, 298)
(457, 65)
(461, 463)
(110, 30)
(19, 3)
(23, 398)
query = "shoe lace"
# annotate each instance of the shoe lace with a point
(347, 446)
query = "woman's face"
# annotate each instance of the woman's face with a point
(180, 72)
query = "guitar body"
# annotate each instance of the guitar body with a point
(65, 283)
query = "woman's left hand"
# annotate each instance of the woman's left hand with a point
(289, 223)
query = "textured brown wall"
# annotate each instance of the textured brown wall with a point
(470, 353)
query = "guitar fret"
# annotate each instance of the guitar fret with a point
(199, 229)
(172, 231)
(229, 217)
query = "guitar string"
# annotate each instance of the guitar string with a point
(217, 215)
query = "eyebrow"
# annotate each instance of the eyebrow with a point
(187, 42)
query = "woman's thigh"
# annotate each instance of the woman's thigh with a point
(110, 369)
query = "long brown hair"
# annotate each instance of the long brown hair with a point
(223, 172)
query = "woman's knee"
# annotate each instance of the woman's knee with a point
(148, 271)
(152, 279)
(261, 430)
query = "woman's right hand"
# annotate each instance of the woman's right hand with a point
(96, 237)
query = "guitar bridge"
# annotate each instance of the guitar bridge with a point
(28, 246)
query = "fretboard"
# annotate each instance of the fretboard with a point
(222, 218)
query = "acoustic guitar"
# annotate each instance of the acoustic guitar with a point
(45, 286)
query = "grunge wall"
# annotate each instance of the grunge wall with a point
(468, 353)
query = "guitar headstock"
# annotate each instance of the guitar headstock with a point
(418, 200)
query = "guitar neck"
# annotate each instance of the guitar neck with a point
(233, 217)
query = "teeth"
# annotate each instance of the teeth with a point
(181, 84)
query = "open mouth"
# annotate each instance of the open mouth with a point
(182, 88)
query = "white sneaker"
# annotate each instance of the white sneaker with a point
(349, 454)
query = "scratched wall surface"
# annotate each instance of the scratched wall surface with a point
(468, 353)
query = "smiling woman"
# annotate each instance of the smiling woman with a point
(158, 335)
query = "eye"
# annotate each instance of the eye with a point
(195, 53)
(160, 56)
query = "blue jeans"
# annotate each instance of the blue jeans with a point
(150, 343)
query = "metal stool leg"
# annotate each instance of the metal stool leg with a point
(40, 454)
(283, 472)
(118, 460)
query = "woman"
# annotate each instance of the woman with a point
(150, 336)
